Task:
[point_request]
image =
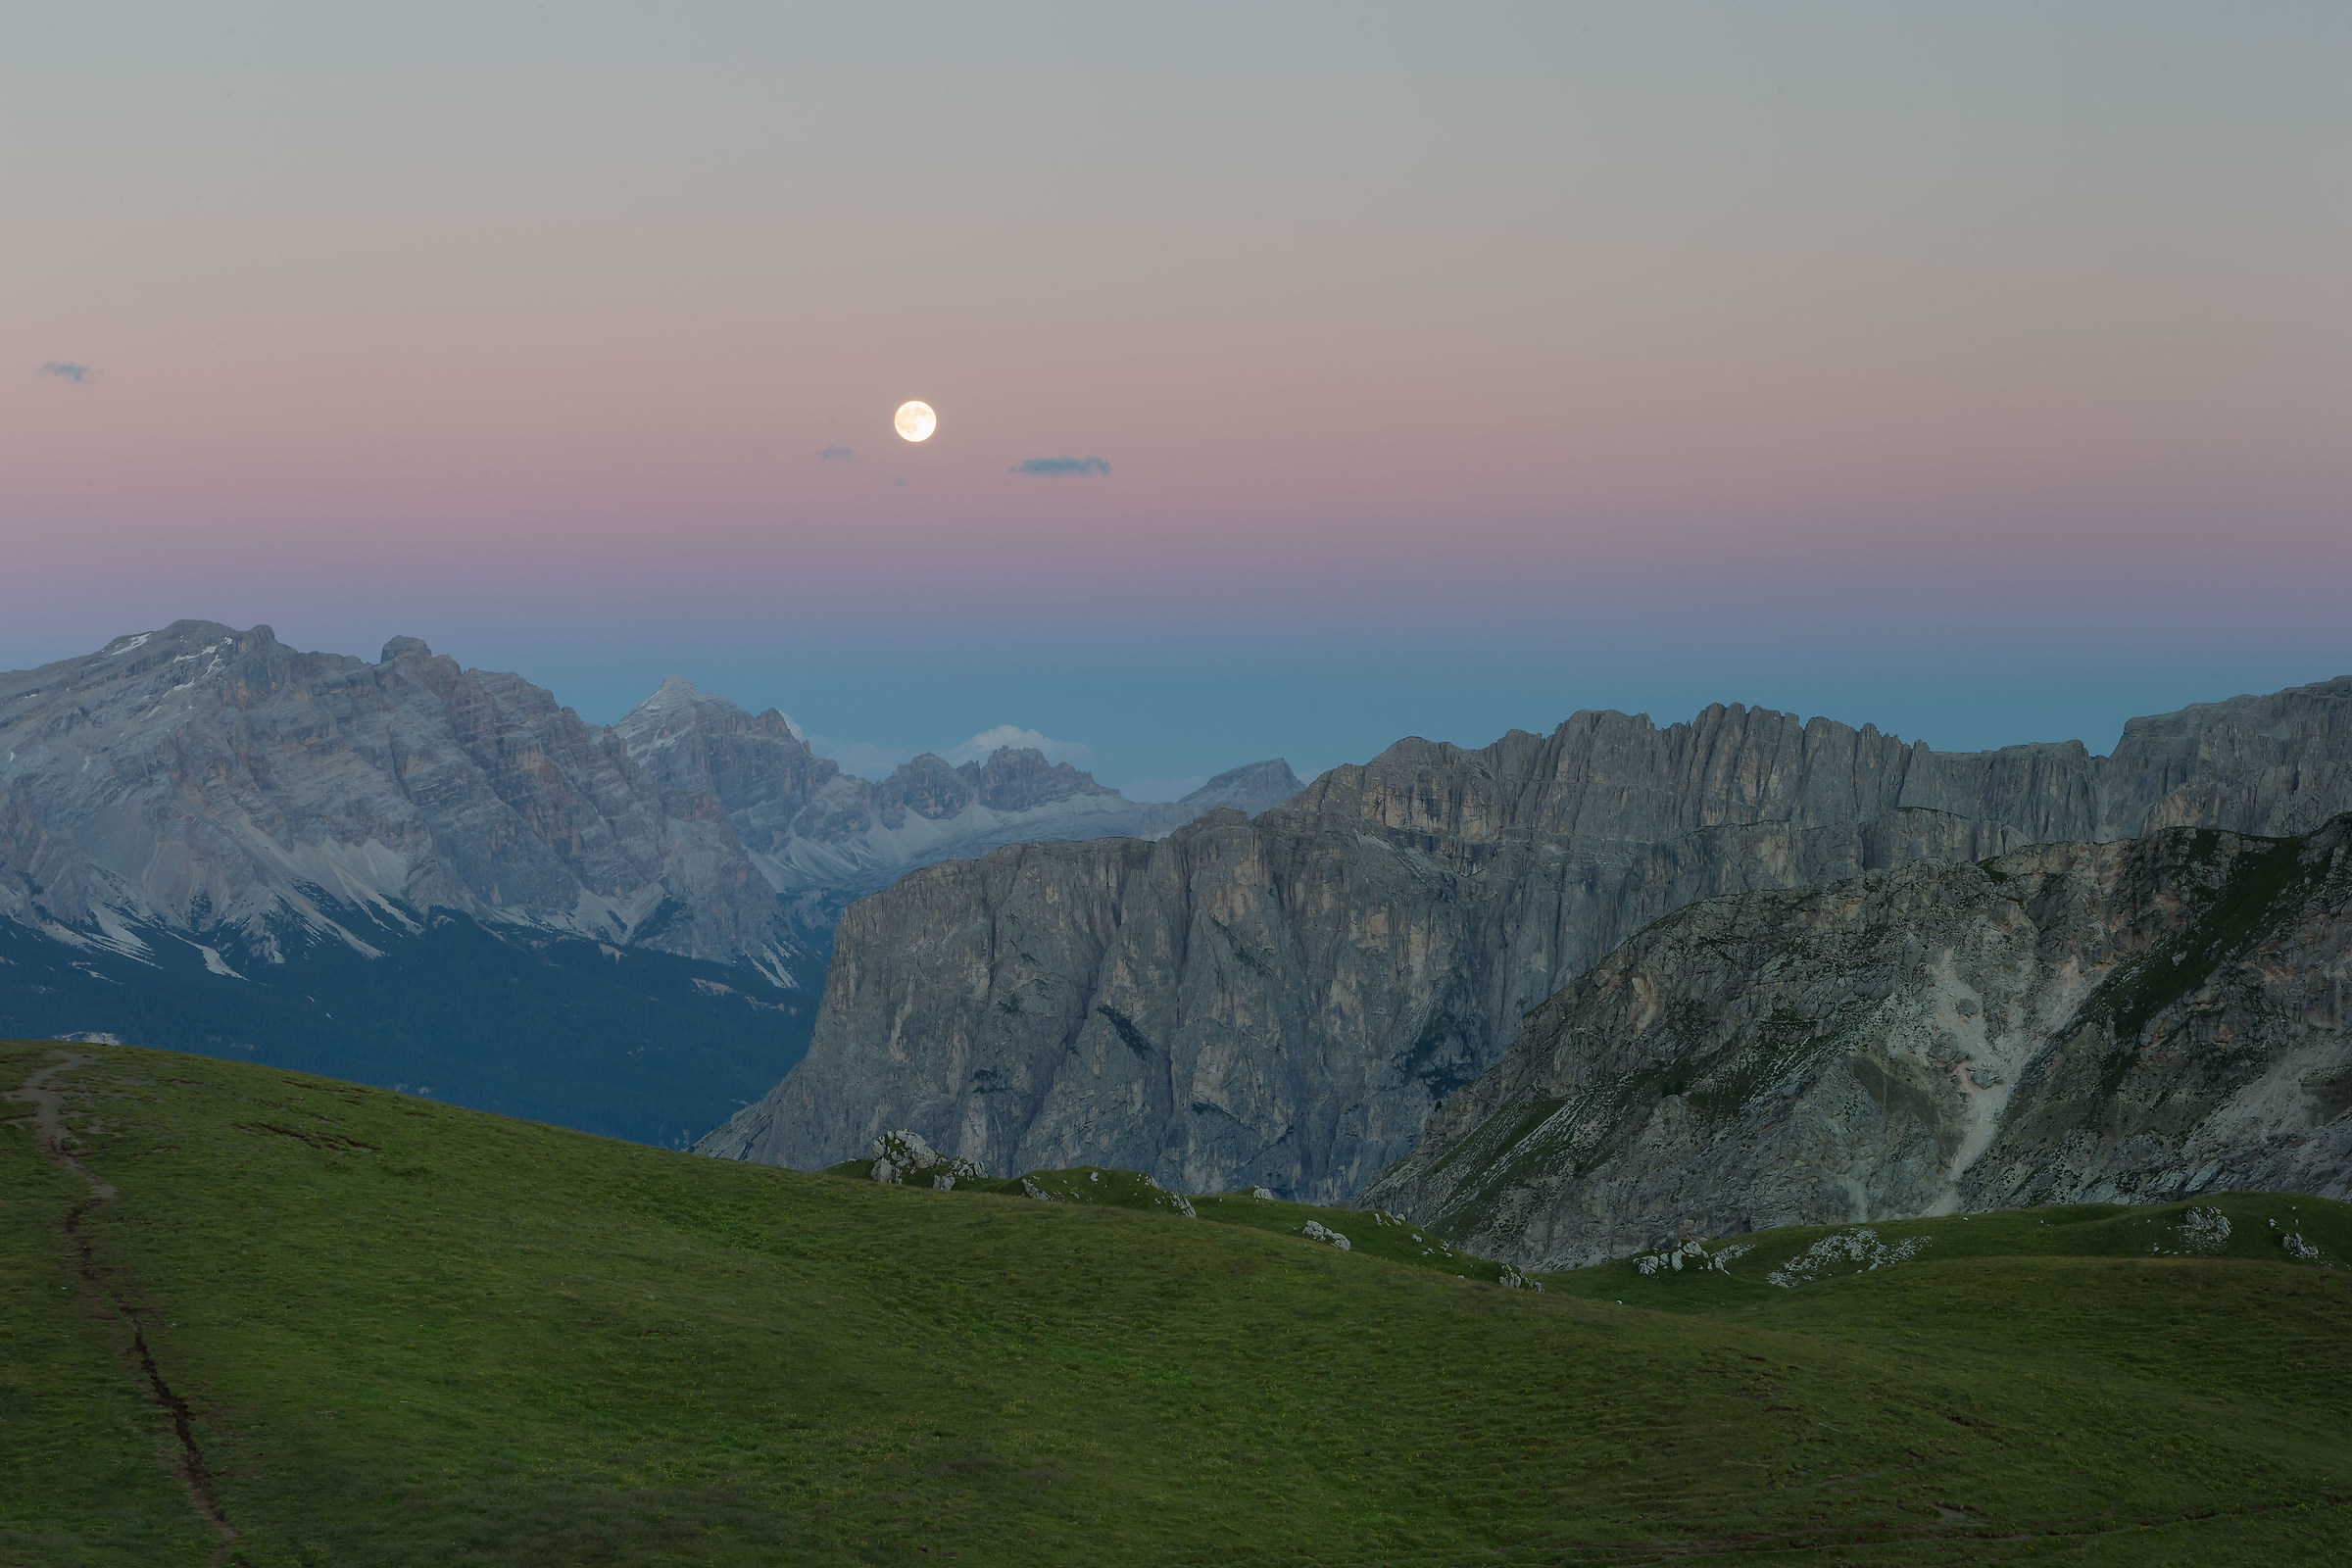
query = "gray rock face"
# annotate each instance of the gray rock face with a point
(823, 836)
(205, 781)
(1281, 1001)
(2069, 1023)
(900, 1155)
(1249, 789)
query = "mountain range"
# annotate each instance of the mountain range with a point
(1555, 996)
(1283, 1001)
(211, 841)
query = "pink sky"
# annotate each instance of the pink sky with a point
(531, 331)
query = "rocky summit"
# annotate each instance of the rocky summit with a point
(1281, 1002)
(2076, 1023)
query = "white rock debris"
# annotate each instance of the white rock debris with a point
(2205, 1229)
(1694, 1255)
(1261, 1191)
(1316, 1231)
(1859, 1247)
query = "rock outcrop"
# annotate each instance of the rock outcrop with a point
(2069, 1023)
(1281, 1001)
(902, 1154)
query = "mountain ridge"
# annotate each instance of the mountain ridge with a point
(196, 809)
(1281, 1001)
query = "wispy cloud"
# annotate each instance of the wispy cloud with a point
(988, 742)
(1060, 467)
(67, 370)
(838, 455)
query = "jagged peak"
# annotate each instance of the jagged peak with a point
(676, 694)
(1274, 774)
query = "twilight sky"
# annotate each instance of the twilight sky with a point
(1982, 371)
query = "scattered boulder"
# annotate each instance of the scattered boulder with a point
(1851, 1251)
(1316, 1231)
(900, 1154)
(1691, 1255)
(1261, 1191)
(2205, 1229)
(1514, 1280)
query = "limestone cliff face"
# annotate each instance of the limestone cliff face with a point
(1281, 1002)
(211, 780)
(2068, 1023)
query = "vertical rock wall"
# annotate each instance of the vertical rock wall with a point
(1282, 1000)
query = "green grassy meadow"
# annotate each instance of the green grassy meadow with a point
(408, 1333)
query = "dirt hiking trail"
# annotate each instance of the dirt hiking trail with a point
(49, 1137)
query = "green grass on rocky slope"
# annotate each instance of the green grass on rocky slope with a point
(1370, 1233)
(407, 1332)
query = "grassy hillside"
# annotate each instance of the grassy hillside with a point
(408, 1333)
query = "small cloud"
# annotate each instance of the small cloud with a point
(67, 370)
(838, 455)
(1057, 467)
(985, 745)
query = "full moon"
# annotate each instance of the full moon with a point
(915, 420)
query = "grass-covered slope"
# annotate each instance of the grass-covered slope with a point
(407, 1332)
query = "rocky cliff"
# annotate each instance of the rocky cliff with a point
(193, 817)
(2069, 1023)
(205, 780)
(1281, 1002)
(217, 783)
